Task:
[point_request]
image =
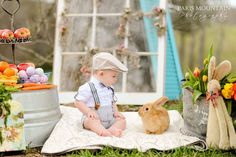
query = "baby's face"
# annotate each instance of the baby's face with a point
(109, 77)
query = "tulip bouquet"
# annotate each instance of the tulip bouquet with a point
(197, 80)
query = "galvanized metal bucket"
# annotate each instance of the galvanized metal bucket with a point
(41, 113)
(195, 115)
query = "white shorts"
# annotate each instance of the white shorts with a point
(106, 116)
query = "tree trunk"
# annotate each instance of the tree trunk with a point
(220, 43)
(191, 50)
(182, 46)
(201, 46)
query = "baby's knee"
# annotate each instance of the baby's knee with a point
(121, 121)
(90, 122)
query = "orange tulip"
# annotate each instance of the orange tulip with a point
(234, 87)
(196, 72)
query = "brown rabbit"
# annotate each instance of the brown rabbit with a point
(155, 118)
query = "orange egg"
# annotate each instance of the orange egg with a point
(3, 66)
(9, 72)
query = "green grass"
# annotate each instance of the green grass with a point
(180, 152)
(114, 152)
(171, 105)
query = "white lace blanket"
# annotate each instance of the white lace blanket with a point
(68, 135)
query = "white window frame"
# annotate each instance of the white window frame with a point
(124, 97)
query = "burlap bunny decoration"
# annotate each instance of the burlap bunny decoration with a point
(220, 130)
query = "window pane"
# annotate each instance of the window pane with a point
(109, 6)
(79, 6)
(138, 79)
(106, 32)
(76, 34)
(71, 76)
(135, 5)
(137, 39)
(141, 79)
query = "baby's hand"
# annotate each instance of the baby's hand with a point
(92, 114)
(118, 115)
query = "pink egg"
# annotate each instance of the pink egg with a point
(22, 74)
(43, 79)
(27, 81)
(35, 78)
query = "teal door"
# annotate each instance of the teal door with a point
(173, 69)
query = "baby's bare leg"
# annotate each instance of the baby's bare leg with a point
(96, 126)
(117, 128)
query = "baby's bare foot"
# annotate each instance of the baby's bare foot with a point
(115, 131)
(104, 132)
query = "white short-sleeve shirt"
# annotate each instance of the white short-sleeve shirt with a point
(105, 94)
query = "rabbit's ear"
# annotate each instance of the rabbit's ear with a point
(211, 68)
(222, 70)
(160, 101)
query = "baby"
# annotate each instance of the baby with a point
(96, 98)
